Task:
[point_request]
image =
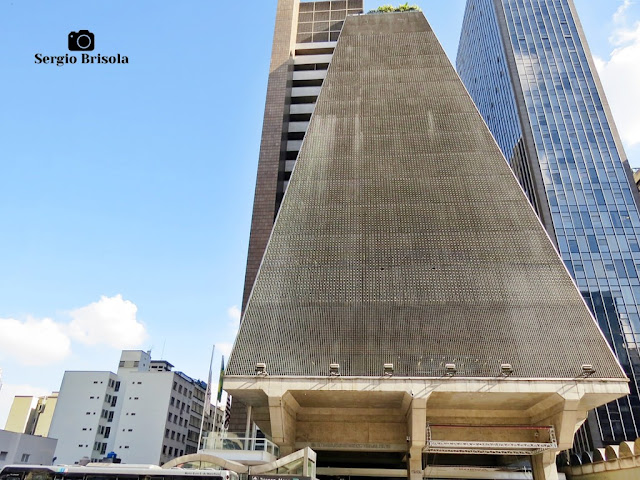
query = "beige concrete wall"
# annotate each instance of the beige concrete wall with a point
(19, 414)
(359, 428)
(45, 417)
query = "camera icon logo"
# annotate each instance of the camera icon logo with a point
(82, 40)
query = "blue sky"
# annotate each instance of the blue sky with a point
(126, 190)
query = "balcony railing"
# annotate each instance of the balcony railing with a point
(230, 441)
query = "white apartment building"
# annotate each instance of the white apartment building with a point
(145, 413)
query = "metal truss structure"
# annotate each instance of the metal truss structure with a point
(490, 448)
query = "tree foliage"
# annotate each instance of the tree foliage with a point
(400, 8)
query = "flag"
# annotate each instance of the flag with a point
(207, 397)
(221, 380)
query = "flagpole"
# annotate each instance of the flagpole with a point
(207, 398)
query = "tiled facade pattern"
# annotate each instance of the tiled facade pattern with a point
(314, 27)
(383, 253)
(271, 147)
(585, 174)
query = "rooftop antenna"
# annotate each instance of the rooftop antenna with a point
(163, 344)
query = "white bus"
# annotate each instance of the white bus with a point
(110, 472)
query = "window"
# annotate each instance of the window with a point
(164, 449)
(136, 363)
(3, 455)
(110, 419)
(114, 401)
(117, 389)
(166, 433)
(179, 388)
(107, 432)
(24, 458)
(174, 385)
(173, 401)
(169, 417)
(133, 413)
(121, 364)
(173, 435)
(170, 450)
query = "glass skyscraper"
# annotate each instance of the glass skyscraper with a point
(527, 65)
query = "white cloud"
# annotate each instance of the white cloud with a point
(621, 13)
(39, 342)
(234, 314)
(620, 74)
(34, 342)
(9, 391)
(109, 321)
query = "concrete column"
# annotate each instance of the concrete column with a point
(565, 414)
(417, 429)
(247, 430)
(544, 466)
(282, 412)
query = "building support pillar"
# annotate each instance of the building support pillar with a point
(247, 432)
(417, 430)
(544, 466)
(282, 412)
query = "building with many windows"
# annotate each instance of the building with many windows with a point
(528, 68)
(145, 413)
(305, 37)
(404, 318)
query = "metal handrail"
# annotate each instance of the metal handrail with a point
(229, 441)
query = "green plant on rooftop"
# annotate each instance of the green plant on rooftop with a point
(401, 8)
